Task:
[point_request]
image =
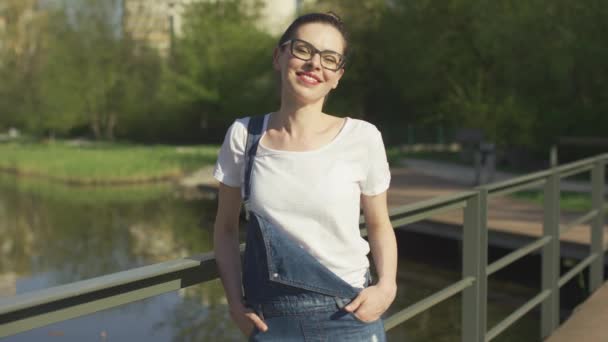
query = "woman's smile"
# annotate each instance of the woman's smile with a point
(308, 78)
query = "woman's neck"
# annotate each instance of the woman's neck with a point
(299, 119)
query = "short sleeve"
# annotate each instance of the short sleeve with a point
(378, 176)
(229, 165)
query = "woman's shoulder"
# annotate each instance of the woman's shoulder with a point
(362, 127)
(240, 123)
(236, 135)
(238, 128)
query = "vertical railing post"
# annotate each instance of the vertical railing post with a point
(553, 156)
(596, 274)
(474, 263)
(551, 255)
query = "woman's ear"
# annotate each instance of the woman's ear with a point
(275, 59)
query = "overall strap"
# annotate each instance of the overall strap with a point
(254, 134)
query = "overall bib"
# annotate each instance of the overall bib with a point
(297, 297)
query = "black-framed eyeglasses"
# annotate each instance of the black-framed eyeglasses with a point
(305, 51)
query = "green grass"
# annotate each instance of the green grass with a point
(395, 155)
(571, 201)
(104, 162)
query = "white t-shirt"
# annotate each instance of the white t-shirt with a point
(314, 195)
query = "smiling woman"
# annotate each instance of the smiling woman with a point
(303, 176)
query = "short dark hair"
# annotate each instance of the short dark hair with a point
(329, 18)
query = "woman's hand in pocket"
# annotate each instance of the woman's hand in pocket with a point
(372, 302)
(246, 319)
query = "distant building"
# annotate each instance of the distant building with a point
(277, 14)
(22, 31)
(157, 22)
(149, 21)
(17, 16)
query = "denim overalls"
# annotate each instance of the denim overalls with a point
(297, 297)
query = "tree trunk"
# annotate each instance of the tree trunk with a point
(95, 126)
(110, 125)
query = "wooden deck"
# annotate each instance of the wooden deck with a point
(504, 213)
(589, 321)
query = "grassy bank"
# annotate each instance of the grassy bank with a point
(570, 201)
(103, 163)
(395, 155)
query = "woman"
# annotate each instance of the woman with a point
(304, 175)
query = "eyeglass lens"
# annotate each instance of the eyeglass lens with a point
(303, 50)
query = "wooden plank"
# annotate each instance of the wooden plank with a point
(588, 322)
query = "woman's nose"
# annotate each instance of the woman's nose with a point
(315, 61)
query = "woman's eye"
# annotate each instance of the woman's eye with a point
(330, 59)
(302, 49)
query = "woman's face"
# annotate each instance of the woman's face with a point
(308, 81)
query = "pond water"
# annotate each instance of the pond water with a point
(52, 234)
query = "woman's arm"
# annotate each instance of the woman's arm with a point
(373, 301)
(381, 236)
(227, 256)
(226, 242)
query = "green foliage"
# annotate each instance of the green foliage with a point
(220, 69)
(525, 72)
(61, 78)
(505, 121)
(81, 76)
(20, 61)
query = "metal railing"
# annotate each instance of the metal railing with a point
(31, 310)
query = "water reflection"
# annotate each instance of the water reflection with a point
(52, 234)
(89, 234)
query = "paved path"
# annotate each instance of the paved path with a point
(588, 323)
(465, 175)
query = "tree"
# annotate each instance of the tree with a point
(220, 69)
(22, 41)
(94, 76)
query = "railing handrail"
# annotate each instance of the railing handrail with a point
(88, 286)
(29, 310)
